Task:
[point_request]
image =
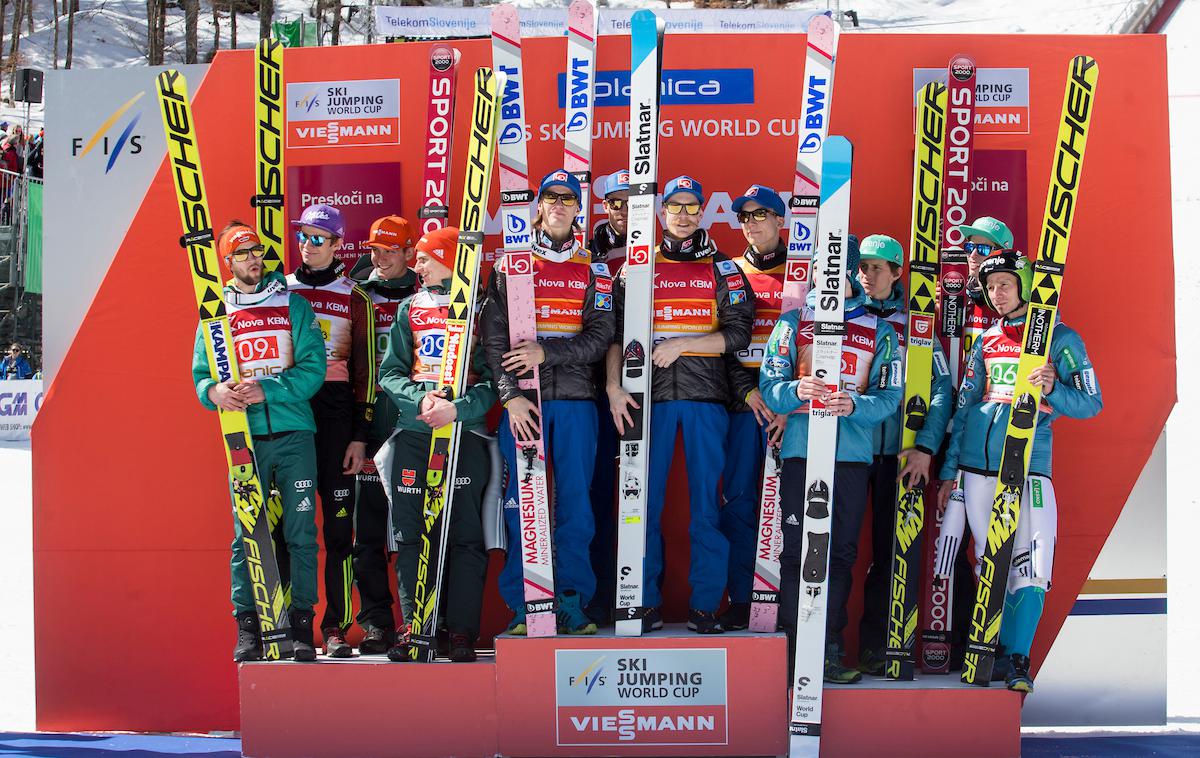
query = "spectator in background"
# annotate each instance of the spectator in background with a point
(10, 158)
(15, 366)
(33, 163)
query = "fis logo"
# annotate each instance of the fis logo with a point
(590, 676)
(113, 148)
(309, 102)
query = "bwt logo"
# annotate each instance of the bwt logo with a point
(17, 403)
(710, 86)
(80, 148)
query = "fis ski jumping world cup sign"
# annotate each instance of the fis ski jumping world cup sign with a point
(1001, 98)
(343, 114)
(648, 696)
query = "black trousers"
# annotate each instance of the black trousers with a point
(849, 505)
(333, 408)
(872, 628)
(370, 547)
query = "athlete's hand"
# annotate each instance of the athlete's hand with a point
(762, 414)
(225, 396)
(943, 496)
(775, 429)
(251, 392)
(436, 410)
(524, 357)
(352, 462)
(811, 388)
(619, 403)
(668, 351)
(916, 467)
(840, 404)
(523, 418)
(1044, 376)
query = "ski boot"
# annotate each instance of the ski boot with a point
(517, 627)
(335, 643)
(302, 635)
(704, 622)
(1001, 665)
(1018, 679)
(871, 663)
(376, 641)
(571, 618)
(249, 641)
(399, 651)
(736, 617)
(462, 648)
(652, 621)
(835, 672)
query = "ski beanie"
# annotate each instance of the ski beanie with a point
(233, 238)
(989, 228)
(441, 245)
(852, 258)
(1007, 262)
(764, 196)
(324, 217)
(880, 247)
(617, 181)
(685, 185)
(560, 177)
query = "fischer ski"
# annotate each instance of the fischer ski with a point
(1062, 199)
(816, 95)
(245, 486)
(268, 152)
(456, 359)
(537, 562)
(942, 547)
(924, 246)
(439, 135)
(580, 89)
(829, 267)
(646, 44)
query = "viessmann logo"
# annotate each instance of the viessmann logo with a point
(103, 136)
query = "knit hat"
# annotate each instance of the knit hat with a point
(235, 237)
(441, 245)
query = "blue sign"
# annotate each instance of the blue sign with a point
(701, 86)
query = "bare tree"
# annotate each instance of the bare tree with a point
(336, 33)
(216, 31)
(72, 6)
(232, 25)
(29, 16)
(266, 14)
(154, 46)
(14, 47)
(191, 24)
(55, 2)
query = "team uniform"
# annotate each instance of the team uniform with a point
(279, 346)
(697, 291)
(371, 503)
(574, 317)
(746, 442)
(411, 369)
(871, 375)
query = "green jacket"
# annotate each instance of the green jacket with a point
(395, 377)
(286, 408)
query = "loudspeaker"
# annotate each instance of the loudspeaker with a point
(28, 86)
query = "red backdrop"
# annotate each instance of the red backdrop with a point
(131, 515)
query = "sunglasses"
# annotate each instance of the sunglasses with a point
(979, 248)
(257, 251)
(758, 214)
(316, 240)
(691, 209)
(567, 199)
(615, 204)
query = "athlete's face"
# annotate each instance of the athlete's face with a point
(877, 278)
(681, 224)
(763, 234)
(430, 269)
(975, 259)
(616, 204)
(557, 207)
(249, 272)
(318, 256)
(1004, 290)
(389, 263)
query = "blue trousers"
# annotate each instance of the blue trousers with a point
(745, 448)
(604, 513)
(704, 427)
(569, 429)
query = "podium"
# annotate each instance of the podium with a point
(669, 693)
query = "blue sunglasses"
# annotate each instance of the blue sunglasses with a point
(979, 248)
(316, 240)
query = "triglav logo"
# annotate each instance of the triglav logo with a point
(113, 148)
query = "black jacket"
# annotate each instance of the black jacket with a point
(693, 377)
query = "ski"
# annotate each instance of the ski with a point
(952, 294)
(580, 98)
(829, 271)
(537, 565)
(924, 246)
(816, 95)
(268, 152)
(439, 135)
(456, 359)
(646, 44)
(1062, 199)
(246, 488)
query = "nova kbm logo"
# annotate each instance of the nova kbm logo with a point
(113, 149)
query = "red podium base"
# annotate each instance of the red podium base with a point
(667, 693)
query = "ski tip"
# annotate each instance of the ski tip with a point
(580, 13)
(820, 30)
(504, 15)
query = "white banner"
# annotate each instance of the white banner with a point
(20, 400)
(426, 21)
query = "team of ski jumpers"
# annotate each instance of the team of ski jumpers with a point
(353, 364)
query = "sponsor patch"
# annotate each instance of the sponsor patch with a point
(1089, 381)
(601, 269)
(305, 505)
(603, 285)
(777, 364)
(939, 362)
(736, 282)
(727, 267)
(1035, 492)
(603, 301)
(896, 379)
(408, 477)
(737, 296)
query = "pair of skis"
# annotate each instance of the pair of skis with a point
(516, 197)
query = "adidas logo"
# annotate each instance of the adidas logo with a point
(305, 505)
(341, 513)
(791, 520)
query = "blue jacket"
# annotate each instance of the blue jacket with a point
(941, 396)
(978, 429)
(17, 369)
(855, 432)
